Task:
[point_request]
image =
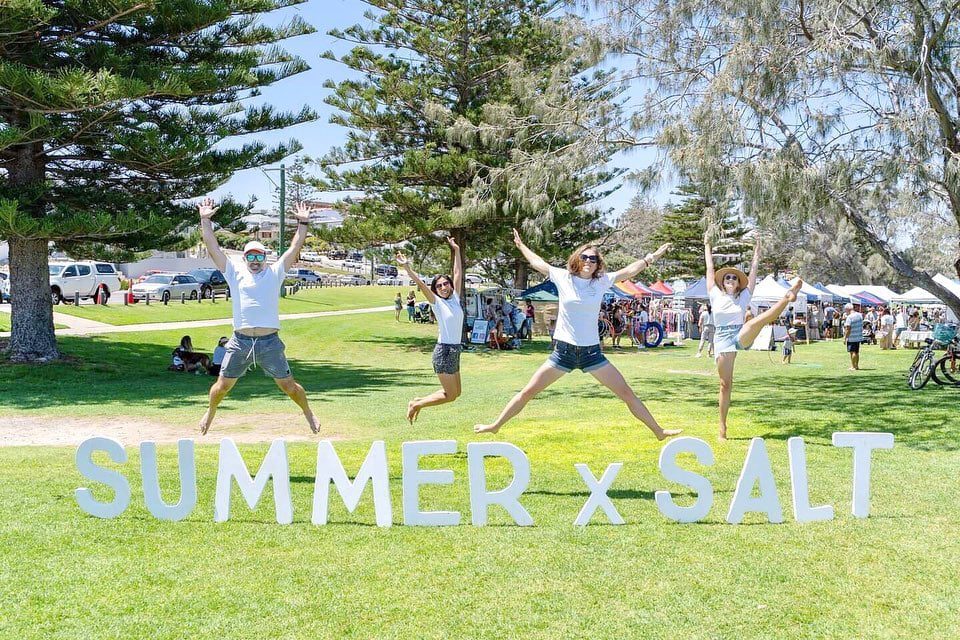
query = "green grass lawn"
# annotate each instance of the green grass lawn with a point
(304, 301)
(5, 322)
(66, 575)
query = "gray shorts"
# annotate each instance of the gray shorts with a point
(446, 358)
(244, 352)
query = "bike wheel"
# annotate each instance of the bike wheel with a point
(941, 373)
(916, 362)
(921, 374)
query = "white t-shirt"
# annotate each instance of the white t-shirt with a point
(902, 320)
(256, 297)
(728, 310)
(449, 315)
(580, 301)
(706, 319)
(887, 321)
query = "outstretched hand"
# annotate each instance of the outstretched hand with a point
(206, 208)
(659, 253)
(402, 260)
(516, 238)
(302, 213)
(453, 243)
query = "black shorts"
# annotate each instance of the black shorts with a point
(853, 347)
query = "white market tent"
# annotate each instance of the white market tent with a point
(813, 292)
(952, 285)
(840, 291)
(916, 296)
(878, 291)
(769, 290)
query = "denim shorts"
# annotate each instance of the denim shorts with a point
(568, 357)
(727, 340)
(245, 351)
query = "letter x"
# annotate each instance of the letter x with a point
(598, 494)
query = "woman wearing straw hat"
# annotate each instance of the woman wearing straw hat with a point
(730, 293)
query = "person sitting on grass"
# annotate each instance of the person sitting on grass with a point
(255, 292)
(218, 354)
(190, 360)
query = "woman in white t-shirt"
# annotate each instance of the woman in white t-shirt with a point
(730, 293)
(444, 295)
(580, 287)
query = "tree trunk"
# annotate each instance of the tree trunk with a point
(893, 258)
(31, 337)
(521, 275)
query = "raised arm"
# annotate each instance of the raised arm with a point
(457, 267)
(206, 209)
(538, 263)
(302, 214)
(632, 269)
(708, 258)
(754, 266)
(404, 262)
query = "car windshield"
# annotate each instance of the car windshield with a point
(55, 269)
(158, 279)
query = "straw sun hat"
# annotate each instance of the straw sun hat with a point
(741, 277)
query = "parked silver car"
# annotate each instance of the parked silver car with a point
(164, 286)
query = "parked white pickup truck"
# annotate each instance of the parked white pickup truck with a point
(85, 278)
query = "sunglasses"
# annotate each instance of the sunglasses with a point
(255, 257)
(444, 283)
(588, 258)
(731, 276)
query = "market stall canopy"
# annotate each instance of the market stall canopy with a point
(620, 294)
(916, 296)
(813, 294)
(628, 287)
(662, 287)
(546, 291)
(769, 290)
(698, 290)
(869, 299)
(875, 290)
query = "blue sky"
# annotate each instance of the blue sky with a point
(307, 88)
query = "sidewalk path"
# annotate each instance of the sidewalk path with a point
(81, 327)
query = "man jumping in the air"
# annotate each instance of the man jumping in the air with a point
(255, 292)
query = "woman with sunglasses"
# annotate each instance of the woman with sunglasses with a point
(580, 286)
(730, 293)
(444, 295)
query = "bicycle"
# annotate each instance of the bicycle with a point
(926, 363)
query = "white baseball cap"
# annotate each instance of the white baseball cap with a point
(253, 245)
(848, 306)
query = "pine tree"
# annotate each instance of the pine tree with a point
(429, 126)
(683, 225)
(111, 113)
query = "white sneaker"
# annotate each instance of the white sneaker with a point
(699, 355)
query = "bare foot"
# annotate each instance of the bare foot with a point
(413, 410)
(485, 428)
(723, 434)
(666, 433)
(794, 290)
(313, 422)
(205, 422)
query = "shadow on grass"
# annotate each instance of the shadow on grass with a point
(119, 371)
(820, 403)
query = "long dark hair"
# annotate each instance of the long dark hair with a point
(433, 285)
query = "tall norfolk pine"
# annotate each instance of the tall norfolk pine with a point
(109, 114)
(429, 117)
